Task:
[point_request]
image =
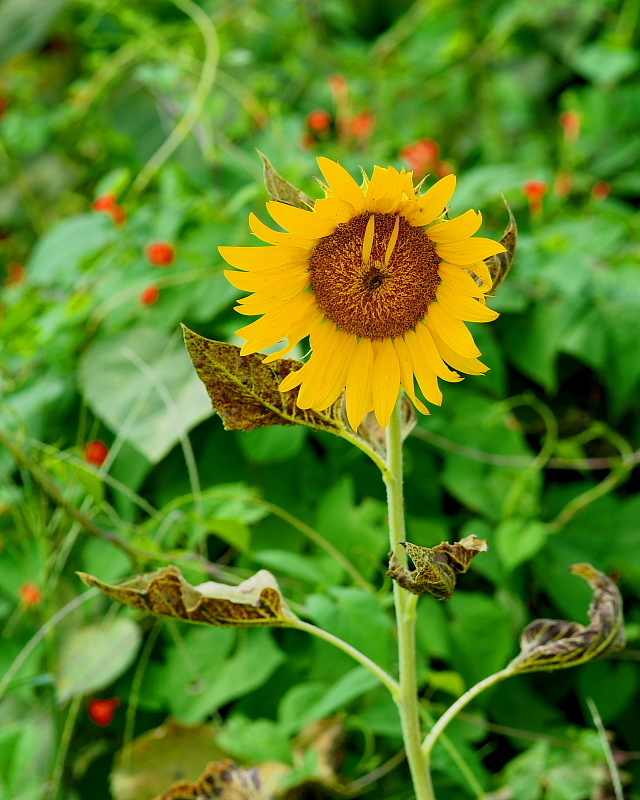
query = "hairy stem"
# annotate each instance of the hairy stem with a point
(405, 616)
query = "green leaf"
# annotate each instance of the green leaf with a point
(355, 616)
(293, 565)
(142, 385)
(58, 255)
(232, 531)
(518, 540)
(272, 445)
(353, 684)
(24, 23)
(255, 740)
(93, 656)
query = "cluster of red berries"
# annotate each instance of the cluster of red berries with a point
(160, 254)
(347, 125)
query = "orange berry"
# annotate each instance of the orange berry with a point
(4, 104)
(30, 595)
(96, 452)
(319, 120)
(150, 295)
(161, 254)
(102, 712)
(17, 273)
(118, 215)
(570, 121)
(563, 184)
(601, 190)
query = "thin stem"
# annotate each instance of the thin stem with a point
(405, 603)
(606, 746)
(198, 100)
(459, 704)
(63, 747)
(380, 673)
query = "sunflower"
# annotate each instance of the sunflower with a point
(380, 282)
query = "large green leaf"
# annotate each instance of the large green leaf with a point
(142, 384)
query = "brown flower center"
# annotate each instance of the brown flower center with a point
(375, 276)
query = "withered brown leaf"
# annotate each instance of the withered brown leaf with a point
(245, 393)
(222, 780)
(500, 264)
(436, 567)
(282, 190)
(255, 602)
(548, 644)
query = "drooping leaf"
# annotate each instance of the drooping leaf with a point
(500, 264)
(222, 780)
(282, 190)
(548, 644)
(245, 393)
(153, 760)
(255, 602)
(436, 567)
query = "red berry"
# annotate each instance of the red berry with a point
(106, 202)
(362, 124)
(96, 452)
(102, 712)
(319, 120)
(150, 295)
(4, 104)
(422, 156)
(161, 254)
(563, 184)
(535, 191)
(30, 594)
(118, 215)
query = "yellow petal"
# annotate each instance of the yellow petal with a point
(380, 197)
(277, 323)
(452, 330)
(406, 373)
(294, 379)
(469, 365)
(454, 230)
(325, 345)
(255, 259)
(267, 234)
(431, 357)
(359, 398)
(342, 185)
(385, 382)
(465, 308)
(296, 333)
(470, 251)
(426, 377)
(482, 271)
(460, 280)
(336, 352)
(254, 281)
(300, 222)
(334, 209)
(433, 202)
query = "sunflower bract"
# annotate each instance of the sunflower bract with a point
(380, 282)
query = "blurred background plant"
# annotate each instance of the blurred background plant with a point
(127, 154)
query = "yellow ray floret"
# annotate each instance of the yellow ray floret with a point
(378, 279)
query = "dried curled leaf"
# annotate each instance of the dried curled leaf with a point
(436, 567)
(548, 644)
(222, 780)
(500, 264)
(245, 393)
(282, 190)
(255, 602)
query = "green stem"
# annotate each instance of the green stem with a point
(461, 702)
(381, 674)
(405, 603)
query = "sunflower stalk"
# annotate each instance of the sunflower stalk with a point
(405, 604)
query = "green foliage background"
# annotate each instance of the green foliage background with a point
(88, 93)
